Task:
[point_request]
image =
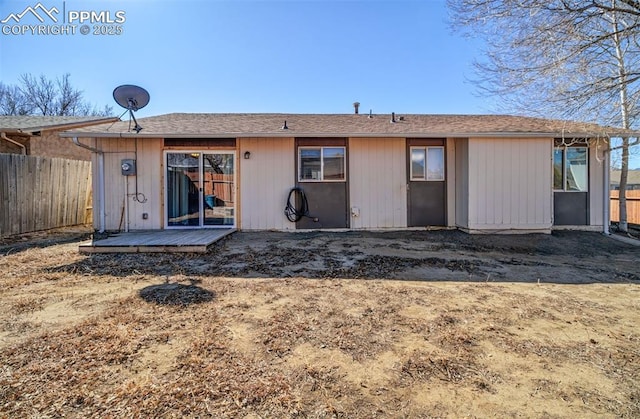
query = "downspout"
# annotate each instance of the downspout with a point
(22, 146)
(101, 188)
(607, 194)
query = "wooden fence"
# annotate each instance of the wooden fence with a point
(633, 206)
(39, 193)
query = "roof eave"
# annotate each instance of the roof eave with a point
(291, 133)
(67, 125)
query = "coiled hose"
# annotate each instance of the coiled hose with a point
(293, 213)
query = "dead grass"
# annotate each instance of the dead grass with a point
(82, 339)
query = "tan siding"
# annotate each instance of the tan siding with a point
(509, 183)
(451, 181)
(265, 180)
(377, 182)
(596, 182)
(150, 184)
(462, 182)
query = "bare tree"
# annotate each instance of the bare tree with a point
(12, 101)
(42, 96)
(561, 59)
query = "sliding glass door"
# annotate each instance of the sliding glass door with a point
(200, 189)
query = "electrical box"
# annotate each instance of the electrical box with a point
(128, 167)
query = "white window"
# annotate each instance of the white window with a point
(427, 163)
(317, 164)
(570, 169)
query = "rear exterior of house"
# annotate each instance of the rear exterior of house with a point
(480, 174)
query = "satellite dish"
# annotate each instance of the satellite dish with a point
(131, 98)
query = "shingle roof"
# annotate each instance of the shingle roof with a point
(633, 177)
(35, 123)
(353, 125)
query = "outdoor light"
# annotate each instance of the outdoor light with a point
(247, 155)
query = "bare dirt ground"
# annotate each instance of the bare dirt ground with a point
(401, 324)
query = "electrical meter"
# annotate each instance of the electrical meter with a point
(128, 167)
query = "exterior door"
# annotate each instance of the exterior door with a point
(322, 174)
(200, 189)
(426, 182)
(571, 185)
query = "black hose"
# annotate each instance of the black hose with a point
(293, 213)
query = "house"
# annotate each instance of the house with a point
(39, 135)
(633, 180)
(476, 173)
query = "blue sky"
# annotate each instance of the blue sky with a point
(298, 56)
(258, 56)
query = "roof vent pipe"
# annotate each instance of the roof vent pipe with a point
(370, 113)
(393, 117)
(285, 125)
(356, 105)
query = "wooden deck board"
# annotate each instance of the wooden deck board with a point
(192, 240)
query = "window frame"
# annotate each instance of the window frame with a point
(565, 166)
(322, 158)
(425, 175)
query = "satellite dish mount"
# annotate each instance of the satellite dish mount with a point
(131, 98)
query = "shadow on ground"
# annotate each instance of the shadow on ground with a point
(176, 294)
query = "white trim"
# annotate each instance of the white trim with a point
(322, 179)
(426, 159)
(564, 149)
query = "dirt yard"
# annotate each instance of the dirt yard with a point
(357, 325)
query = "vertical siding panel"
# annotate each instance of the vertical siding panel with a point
(355, 189)
(392, 166)
(548, 186)
(401, 198)
(374, 164)
(516, 192)
(377, 178)
(508, 166)
(382, 200)
(267, 194)
(397, 165)
(450, 173)
(363, 171)
(509, 183)
(265, 180)
(472, 182)
(385, 202)
(150, 178)
(481, 170)
(462, 182)
(494, 199)
(247, 172)
(358, 154)
(529, 183)
(522, 192)
(270, 157)
(368, 158)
